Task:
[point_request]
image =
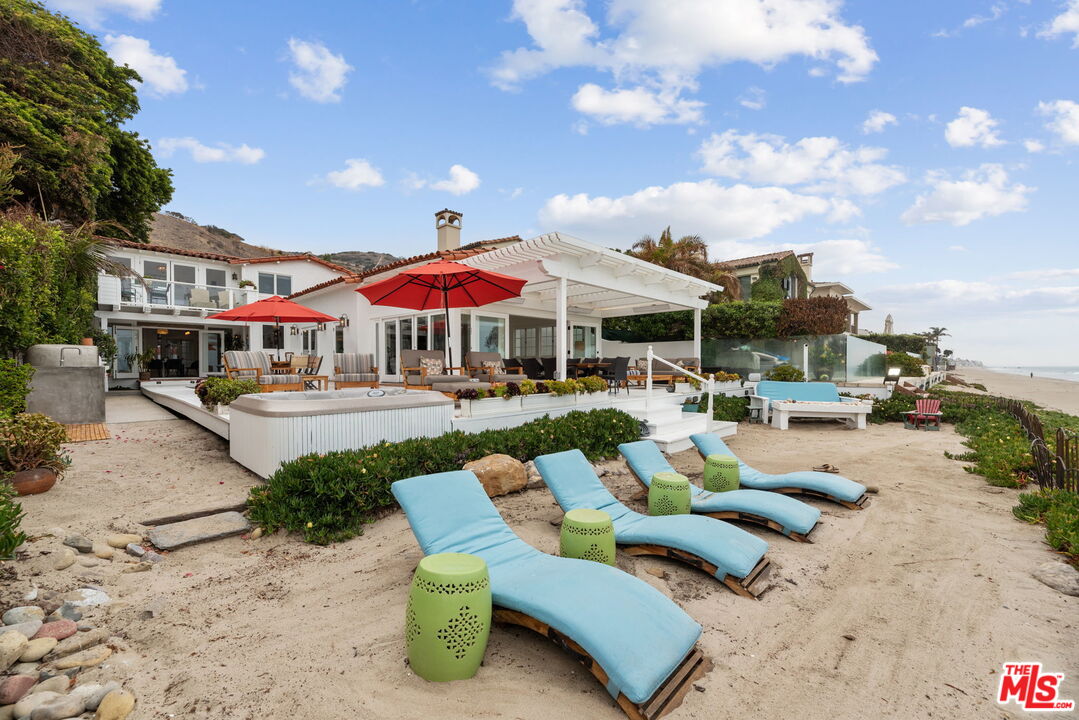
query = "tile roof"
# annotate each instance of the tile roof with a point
(300, 256)
(231, 259)
(459, 254)
(757, 259)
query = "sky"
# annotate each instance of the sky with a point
(923, 150)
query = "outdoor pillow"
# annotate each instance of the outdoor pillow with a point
(432, 365)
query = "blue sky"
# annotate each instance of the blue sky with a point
(923, 150)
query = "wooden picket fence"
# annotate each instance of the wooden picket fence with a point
(1053, 470)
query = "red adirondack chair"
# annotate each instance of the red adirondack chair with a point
(926, 412)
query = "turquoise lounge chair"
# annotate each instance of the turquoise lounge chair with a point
(785, 515)
(631, 637)
(805, 482)
(734, 556)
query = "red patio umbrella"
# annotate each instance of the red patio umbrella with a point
(273, 309)
(442, 284)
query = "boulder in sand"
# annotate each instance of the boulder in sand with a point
(499, 474)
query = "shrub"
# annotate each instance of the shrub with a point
(911, 367)
(727, 409)
(1059, 510)
(785, 373)
(32, 440)
(528, 387)
(106, 346)
(893, 409)
(592, 384)
(329, 497)
(813, 316)
(897, 343)
(562, 387)
(11, 516)
(14, 386)
(222, 391)
(999, 450)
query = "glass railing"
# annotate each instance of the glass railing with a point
(163, 293)
(831, 358)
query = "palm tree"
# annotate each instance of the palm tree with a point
(689, 256)
(934, 334)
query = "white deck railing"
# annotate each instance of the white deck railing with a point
(711, 381)
(165, 294)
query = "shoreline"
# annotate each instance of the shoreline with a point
(1050, 393)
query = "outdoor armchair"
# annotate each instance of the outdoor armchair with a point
(353, 370)
(423, 369)
(254, 365)
(489, 367)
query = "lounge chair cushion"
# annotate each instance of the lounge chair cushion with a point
(356, 377)
(279, 379)
(575, 485)
(827, 483)
(354, 362)
(248, 359)
(645, 460)
(805, 392)
(631, 629)
(508, 378)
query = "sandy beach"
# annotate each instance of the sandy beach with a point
(1051, 393)
(906, 609)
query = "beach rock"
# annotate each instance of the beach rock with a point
(1059, 576)
(89, 561)
(534, 479)
(11, 646)
(37, 649)
(86, 597)
(28, 628)
(151, 557)
(138, 567)
(85, 658)
(24, 668)
(122, 540)
(600, 470)
(28, 704)
(499, 474)
(57, 684)
(64, 559)
(80, 543)
(117, 705)
(94, 693)
(7, 712)
(67, 611)
(57, 630)
(84, 626)
(17, 615)
(14, 687)
(103, 551)
(135, 549)
(201, 529)
(65, 706)
(256, 533)
(79, 642)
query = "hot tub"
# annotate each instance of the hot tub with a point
(268, 429)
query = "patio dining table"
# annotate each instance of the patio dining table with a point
(595, 367)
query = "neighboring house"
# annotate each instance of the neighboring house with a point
(166, 311)
(748, 270)
(572, 285)
(838, 289)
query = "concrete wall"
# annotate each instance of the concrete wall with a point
(69, 395)
(666, 350)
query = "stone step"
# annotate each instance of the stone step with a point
(197, 530)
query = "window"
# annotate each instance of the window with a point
(127, 285)
(746, 283)
(270, 284)
(215, 278)
(339, 339)
(273, 338)
(183, 280)
(310, 342)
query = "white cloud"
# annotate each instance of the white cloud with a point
(662, 47)
(357, 175)
(460, 182)
(638, 105)
(160, 73)
(957, 248)
(972, 127)
(980, 193)
(995, 13)
(1034, 146)
(831, 258)
(753, 98)
(320, 75)
(1064, 119)
(222, 152)
(822, 164)
(877, 121)
(715, 211)
(1065, 22)
(93, 12)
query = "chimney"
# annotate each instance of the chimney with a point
(448, 226)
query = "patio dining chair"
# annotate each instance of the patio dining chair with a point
(735, 557)
(616, 373)
(550, 367)
(631, 637)
(532, 367)
(254, 365)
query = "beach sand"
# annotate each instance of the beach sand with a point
(1051, 393)
(906, 609)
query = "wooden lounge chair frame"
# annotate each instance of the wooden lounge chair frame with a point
(423, 376)
(669, 695)
(751, 586)
(235, 374)
(743, 517)
(339, 384)
(859, 504)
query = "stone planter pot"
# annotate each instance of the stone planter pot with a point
(34, 482)
(490, 406)
(590, 398)
(545, 400)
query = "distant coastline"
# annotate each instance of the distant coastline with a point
(1059, 372)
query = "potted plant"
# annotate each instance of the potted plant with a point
(217, 393)
(246, 284)
(142, 361)
(31, 450)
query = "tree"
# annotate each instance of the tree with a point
(934, 334)
(62, 104)
(689, 256)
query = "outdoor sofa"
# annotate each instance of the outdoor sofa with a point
(785, 400)
(426, 370)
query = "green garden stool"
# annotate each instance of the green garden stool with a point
(448, 617)
(587, 535)
(668, 494)
(720, 473)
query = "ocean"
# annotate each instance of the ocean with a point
(1065, 372)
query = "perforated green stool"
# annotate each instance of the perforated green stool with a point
(448, 617)
(668, 494)
(721, 473)
(587, 535)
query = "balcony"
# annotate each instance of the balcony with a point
(166, 297)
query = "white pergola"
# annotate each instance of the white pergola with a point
(585, 279)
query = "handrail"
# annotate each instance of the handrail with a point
(648, 383)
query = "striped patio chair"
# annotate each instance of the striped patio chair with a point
(354, 370)
(254, 365)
